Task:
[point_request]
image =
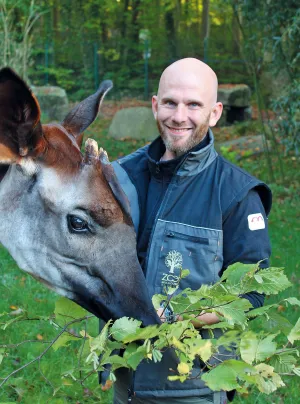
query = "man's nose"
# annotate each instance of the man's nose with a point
(180, 114)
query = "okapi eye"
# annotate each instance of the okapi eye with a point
(77, 225)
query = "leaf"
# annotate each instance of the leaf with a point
(200, 347)
(157, 300)
(156, 355)
(234, 312)
(115, 360)
(66, 310)
(224, 376)
(107, 386)
(64, 340)
(235, 273)
(178, 344)
(274, 281)
(266, 348)
(180, 378)
(184, 273)
(260, 310)
(94, 359)
(136, 357)
(258, 278)
(295, 332)
(228, 339)
(283, 363)
(267, 381)
(293, 301)
(255, 350)
(181, 303)
(183, 368)
(296, 371)
(204, 349)
(223, 325)
(124, 327)
(131, 348)
(99, 343)
(150, 331)
(273, 323)
(248, 347)
(176, 329)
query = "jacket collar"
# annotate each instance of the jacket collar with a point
(191, 163)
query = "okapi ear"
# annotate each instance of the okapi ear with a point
(114, 184)
(85, 112)
(20, 127)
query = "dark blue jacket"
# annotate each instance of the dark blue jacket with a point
(205, 214)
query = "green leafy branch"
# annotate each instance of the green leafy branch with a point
(234, 355)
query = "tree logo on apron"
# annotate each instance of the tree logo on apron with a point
(173, 260)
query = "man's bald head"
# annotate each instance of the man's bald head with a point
(186, 105)
(193, 69)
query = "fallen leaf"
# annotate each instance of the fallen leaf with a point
(107, 386)
(39, 337)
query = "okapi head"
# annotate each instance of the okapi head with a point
(63, 216)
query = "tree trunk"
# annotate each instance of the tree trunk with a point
(123, 31)
(236, 36)
(205, 19)
(56, 19)
(134, 37)
(171, 34)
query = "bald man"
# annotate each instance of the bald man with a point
(191, 209)
(186, 105)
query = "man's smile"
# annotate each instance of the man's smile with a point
(178, 131)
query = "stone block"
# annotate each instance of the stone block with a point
(234, 95)
(134, 123)
(53, 102)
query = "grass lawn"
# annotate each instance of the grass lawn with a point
(39, 382)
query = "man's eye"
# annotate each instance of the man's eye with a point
(77, 225)
(170, 103)
(194, 105)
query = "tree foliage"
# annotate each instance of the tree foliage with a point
(101, 39)
(270, 47)
(17, 19)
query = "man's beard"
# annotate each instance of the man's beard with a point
(191, 142)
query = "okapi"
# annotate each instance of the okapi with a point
(63, 215)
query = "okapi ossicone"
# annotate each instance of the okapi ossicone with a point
(63, 215)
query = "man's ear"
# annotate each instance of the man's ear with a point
(215, 114)
(154, 105)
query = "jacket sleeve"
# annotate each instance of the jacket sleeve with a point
(246, 238)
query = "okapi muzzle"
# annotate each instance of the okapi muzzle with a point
(63, 215)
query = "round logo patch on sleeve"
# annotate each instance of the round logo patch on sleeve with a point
(256, 221)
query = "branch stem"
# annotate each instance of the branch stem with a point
(38, 358)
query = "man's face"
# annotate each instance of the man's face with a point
(183, 113)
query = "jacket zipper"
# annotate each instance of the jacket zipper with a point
(200, 240)
(131, 390)
(162, 206)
